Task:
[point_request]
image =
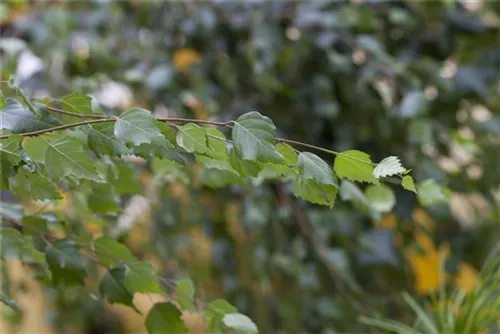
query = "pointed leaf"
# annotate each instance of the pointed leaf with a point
(67, 156)
(184, 294)
(389, 166)
(102, 140)
(113, 289)
(165, 318)
(16, 118)
(141, 277)
(77, 102)
(355, 166)
(136, 126)
(192, 138)
(408, 183)
(66, 263)
(240, 323)
(254, 137)
(112, 253)
(34, 186)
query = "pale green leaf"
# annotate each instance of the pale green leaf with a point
(216, 144)
(36, 147)
(165, 318)
(141, 277)
(381, 197)
(184, 294)
(387, 167)
(192, 138)
(355, 166)
(34, 186)
(254, 137)
(67, 156)
(66, 263)
(351, 192)
(170, 168)
(136, 126)
(77, 102)
(408, 183)
(209, 162)
(216, 178)
(240, 323)
(289, 154)
(112, 253)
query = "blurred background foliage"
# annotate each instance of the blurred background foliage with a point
(416, 79)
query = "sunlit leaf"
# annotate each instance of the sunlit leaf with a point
(141, 277)
(112, 253)
(184, 294)
(239, 323)
(355, 166)
(387, 167)
(77, 102)
(381, 197)
(192, 138)
(408, 183)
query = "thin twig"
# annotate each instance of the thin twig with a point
(79, 115)
(60, 127)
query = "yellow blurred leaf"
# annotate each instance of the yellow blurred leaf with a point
(467, 277)
(184, 58)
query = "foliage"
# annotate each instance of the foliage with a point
(412, 79)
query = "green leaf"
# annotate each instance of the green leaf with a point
(16, 245)
(185, 295)
(34, 186)
(381, 197)
(65, 263)
(209, 162)
(389, 166)
(215, 312)
(77, 102)
(312, 167)
(167, 131)
(165, 318)
(254, 137)
(216, 178)
(16, 118)
(141, 277)
(240, 323)
(10, 149)
(33, 225)
(36, 148)
(313, 192)
(355, 166)
(408, 183)
(216, 147)
(67, 156)
(289, 153)
(103, 199)
(101, 140)
(245, 168)
(125, 178)
(431, 193)
(136, 126)
(192, 138)
(113, 289)
(112, 253)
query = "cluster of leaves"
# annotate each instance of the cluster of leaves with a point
(41, 153)
(404, 77)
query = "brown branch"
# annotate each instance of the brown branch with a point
(60, 127)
